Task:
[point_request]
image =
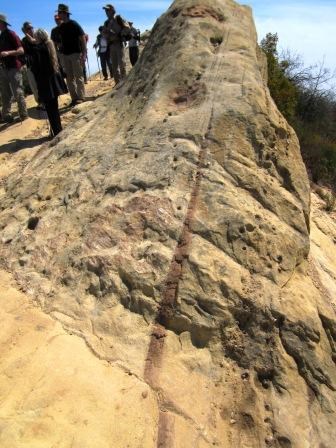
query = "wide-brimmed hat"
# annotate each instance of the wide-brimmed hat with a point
(108, 6)
(63, 8)
(3, 19)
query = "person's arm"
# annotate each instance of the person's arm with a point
(82, 40)
(17, 52)
(31, 39)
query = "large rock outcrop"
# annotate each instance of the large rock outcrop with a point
(169, 228)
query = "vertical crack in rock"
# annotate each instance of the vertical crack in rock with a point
(167, 306)
(166, 309)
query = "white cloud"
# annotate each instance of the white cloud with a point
(305, 27)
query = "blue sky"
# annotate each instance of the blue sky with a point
(306, 27)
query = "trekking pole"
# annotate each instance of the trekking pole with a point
(100, 75)
(88, 66)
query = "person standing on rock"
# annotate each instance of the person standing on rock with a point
(117, 53)
(28, 44)
(133, 44)
(56, 38)
(11, 83)
(101, 46)
(50, 82)
(74, 53)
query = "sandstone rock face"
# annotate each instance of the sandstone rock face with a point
(169, 228)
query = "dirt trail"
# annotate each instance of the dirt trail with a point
(20, 140)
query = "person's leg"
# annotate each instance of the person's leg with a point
(70, 77)
(77, 68)
(121, 61)
(32, 84)
(85, 75)
(6, 93)
(53, 116)
(109, 64)
(103, 64)
(136, 54)
(114, 61)
(60, 57)
(133, 55)
(16, 82)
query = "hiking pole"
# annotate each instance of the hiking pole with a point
(88, 66)
(100, 75)
(43, 114)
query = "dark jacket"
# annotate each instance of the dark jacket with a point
(50, 85)
(29, 51)
(55, 36)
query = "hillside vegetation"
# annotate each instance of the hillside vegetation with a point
(303, 96)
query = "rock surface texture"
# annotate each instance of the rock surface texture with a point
(169, 228)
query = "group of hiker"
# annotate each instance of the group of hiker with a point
(56, 65)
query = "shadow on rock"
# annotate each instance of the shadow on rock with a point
(37, 114)
(18, 144)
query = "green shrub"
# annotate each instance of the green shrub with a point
(304, 99)
(330, 202)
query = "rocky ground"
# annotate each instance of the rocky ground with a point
(19, 140)
(168, 276)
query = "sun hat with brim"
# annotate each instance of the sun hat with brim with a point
(3, 19)
(63, 8)
(108, 6)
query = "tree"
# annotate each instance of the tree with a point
(283, 91)
(305, 97)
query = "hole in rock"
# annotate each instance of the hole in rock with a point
(216, 40)
(32, 222)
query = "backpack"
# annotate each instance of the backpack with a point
(125, 33)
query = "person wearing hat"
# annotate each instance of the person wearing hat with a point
(11, 82)
(56, 38)
(74, 53)
(117, 54)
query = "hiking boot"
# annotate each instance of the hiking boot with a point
(8, 119)
(73, 103)
(105, 78)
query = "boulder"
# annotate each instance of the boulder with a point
(169, 227)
